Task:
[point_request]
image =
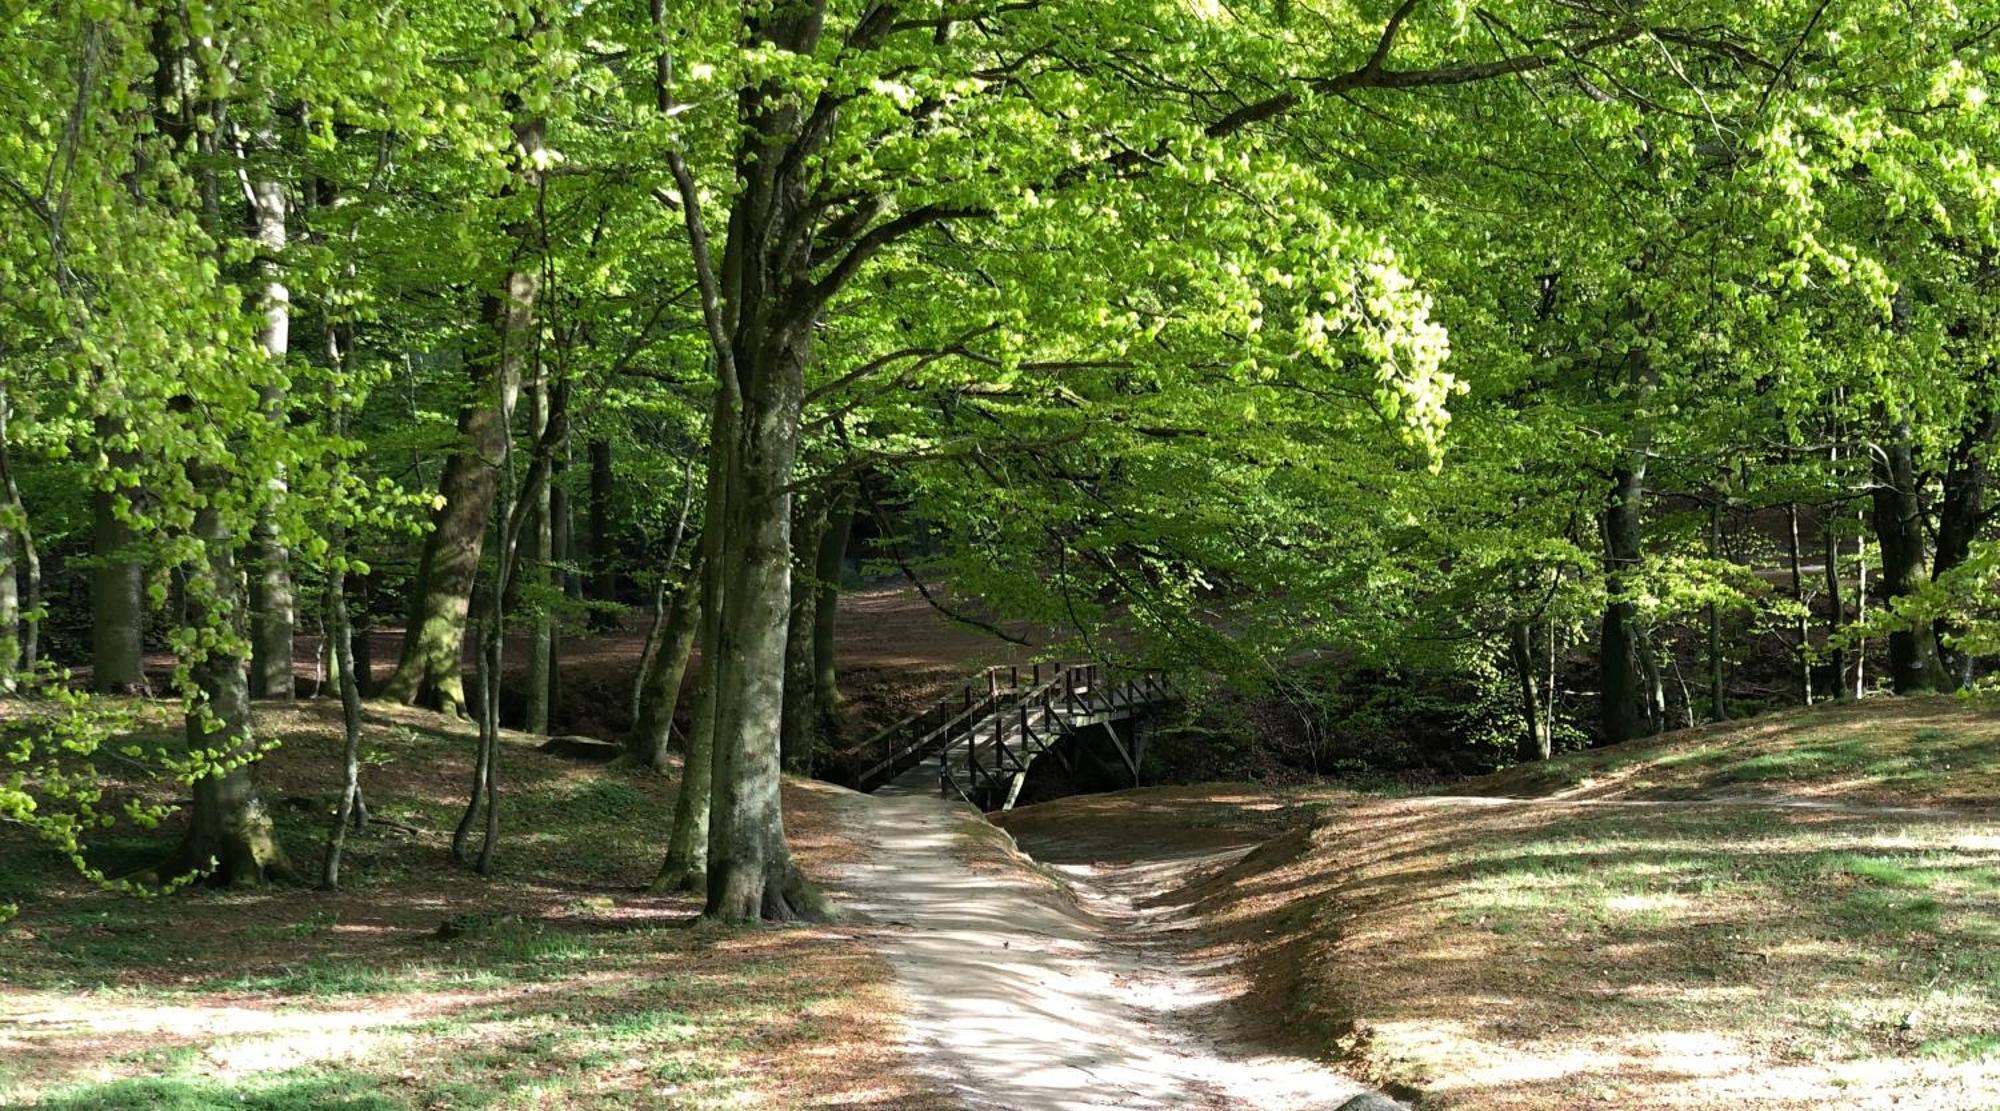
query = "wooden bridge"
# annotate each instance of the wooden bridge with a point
(976, 743)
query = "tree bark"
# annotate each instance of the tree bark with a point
(230, 834)
(1836, 605)
(603, 571)
(1899, 533)
(272, 607)
(828, 568)
(1622, 711)
(1962, 513)
(798, 727)
(1795, 554)
(1718, 702)
(1535, 738)
(351, 810)
(430, 669)
(653, 728)
(14, 535)
(536, 580)
(686, 865)
(117, 585)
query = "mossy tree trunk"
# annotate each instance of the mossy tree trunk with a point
(665, 674)
(230, 835)
(430, 670)
(535, 574)
(117, 581)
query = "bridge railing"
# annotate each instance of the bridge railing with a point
(908, 741)
(999, 704)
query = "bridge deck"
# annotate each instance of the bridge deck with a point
(979, 748)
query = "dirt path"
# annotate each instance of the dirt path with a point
(1020, 1000)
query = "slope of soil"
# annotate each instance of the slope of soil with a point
(563, 984)
(1624, 943)
(1935, 751)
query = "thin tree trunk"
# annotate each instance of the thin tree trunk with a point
(603, 571)
(1623, 699)
(536, 581)
(430, 669)
(1899, 533)
(828, 568)
(797, 730)
(1836, 605)
(13, 527)
(1861, 605)
(352, 810)
(272, 607)
(656, 623)
(686, 865)
(1718, 702)
(1534, 743)
(653, 728)
(1799, 594)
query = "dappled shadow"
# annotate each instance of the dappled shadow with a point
(1538, 954)
(558, 980)
(1021, 999)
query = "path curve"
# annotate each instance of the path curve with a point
(1020, 1000)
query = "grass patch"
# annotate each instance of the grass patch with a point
(309, 1091)
(1933, 751)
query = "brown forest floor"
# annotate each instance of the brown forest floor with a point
(1770, 913)
(566, 985)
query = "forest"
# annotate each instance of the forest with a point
(1380, 392)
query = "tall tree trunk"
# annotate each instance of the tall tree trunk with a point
(1718, 702)
(686, 865)
(540, 552)
(1796, 557)
(230, 834)
(1861, 603)
(1899, 532)
(430, 669)
(14, 535)
(117, 584)
(653, 727)
(352, 810)
(272, 608)
(1623, 709)
(828, 568)
(563, 528)
(1836, 605)
(1962, 513)
(1535, 738)
(603, 569)
(798, 726)
(749, 865)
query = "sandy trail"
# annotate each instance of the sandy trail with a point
(1019, 1000)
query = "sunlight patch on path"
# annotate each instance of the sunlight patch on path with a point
(1018, 1001)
